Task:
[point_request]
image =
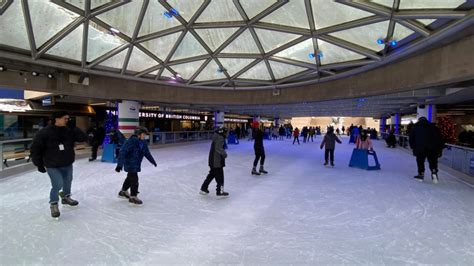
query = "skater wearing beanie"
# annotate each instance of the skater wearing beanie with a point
(130, 157)
(52, 151)
(330, 142)
(259, 151)
(296, 134)
(216, 163)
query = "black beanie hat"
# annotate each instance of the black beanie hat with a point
(59, 114)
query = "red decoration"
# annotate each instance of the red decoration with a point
(447, 128)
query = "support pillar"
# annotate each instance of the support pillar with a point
(128, 115)
(383, 124)
(428, 111)
(396, 120)
(218, 119)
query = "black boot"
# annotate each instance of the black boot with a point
(67, 200)
(254, 171)
(54, 210)
(124, 194)
(420, 177)
(135, 200)
(204, 191)
(220, 192)
(262, 171)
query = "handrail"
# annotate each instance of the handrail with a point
(15, 140)
(460, 147)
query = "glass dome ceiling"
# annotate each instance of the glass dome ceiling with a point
(223, 44)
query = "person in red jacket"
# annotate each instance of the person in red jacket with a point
(296, 134)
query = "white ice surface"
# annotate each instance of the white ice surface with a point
(300, 213)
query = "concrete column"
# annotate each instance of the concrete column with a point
(128, 114)
(383, 124)
(396, 120)
(428, 111)
(218, 119)
(277, 122)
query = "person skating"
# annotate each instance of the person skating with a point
(130, 158)
(259, 152)
(296, 135)
(329, 141)
(426, 142)
(96, 138)
(216, 163)
(52, 151)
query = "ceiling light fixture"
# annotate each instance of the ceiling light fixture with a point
(2, 68)
(50, 76)
(34, 73)
(114, 30)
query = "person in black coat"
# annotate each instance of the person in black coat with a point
(259, 152)
(96, 138)
(426, 142)
(216, 163)
(130, 158)
(391, 139)
(52, 151)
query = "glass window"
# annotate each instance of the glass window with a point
(253, 8)
(77, 3)
(234, 65)
(115, 61)
(334, 54)
(259, 72)
(328, 13)
(188, 47)
(100, 41)
(424, 4)
(13, 29)
(70, 46)
(387, 3)
(215, 37)
(42, 14)
(274, 39)
(187, 70)
(292, 14)
(426, 22)
(140, 61)
(161, 47)
(155, 21)
(281, 70)
(300, 52)
(222, 10)
(365, 36)
(166, 73)
(124, 18)
(401, 32)
(186, 8)
(210, 72)
(244, 43)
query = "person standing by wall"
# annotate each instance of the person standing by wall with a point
(426, 143)
(216, 163)
(52, 151)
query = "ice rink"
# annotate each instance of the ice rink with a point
(300, 213)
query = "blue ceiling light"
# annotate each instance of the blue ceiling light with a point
(380, 41)
(311, 55)
(393, 43)
(320, 54)
(168, 15)
(174, 12)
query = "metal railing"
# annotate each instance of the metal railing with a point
(12, 150)
(457, 157)
(179, 136)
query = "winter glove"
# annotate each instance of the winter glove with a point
(41, 169)
(118, 169)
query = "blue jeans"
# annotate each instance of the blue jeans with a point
(61, 177)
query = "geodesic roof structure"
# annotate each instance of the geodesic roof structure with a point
(222, 44)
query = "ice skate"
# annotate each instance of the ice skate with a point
(67, 200)
(91, 159)
(419, 177)
(221, 193)
(135, 200)
(332, 164)
(262, 171)
(434, 177)
(325, 163)
(124, 194)
(55, 210)
(204, 191)
(254, 171)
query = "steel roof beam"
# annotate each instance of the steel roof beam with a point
(59, 36)
(430, 14)
(29, 28)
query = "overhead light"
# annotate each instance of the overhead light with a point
(380, 41)
(114, 30)
(34, 73)
(50, 76)
(393, 43)
(2, 68)
(311, 55)
(177, 75)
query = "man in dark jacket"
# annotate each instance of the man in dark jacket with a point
(216, 162)
(96, 138)
(52, 151)
(131, 156)
(259, 151)
(426, 142)
(329, 141)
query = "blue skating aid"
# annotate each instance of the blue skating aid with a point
(360, 159)
(108, 154)
(232, 139)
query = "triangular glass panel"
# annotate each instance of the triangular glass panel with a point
(41, 12)
(211, 72)
(123, 18)
(424, 4)
(154, 73)
(100, 41)
(243, 44)
(291, 14)
(218, 11)
(365, 36)
(98, 3)
(426, 22)
(155, 21)
(259, 71)
(234, 65)
(188, 47)
(253, 8)
(281, 70)
(167, 73)
(386, 3)
(215, 37)
(162, 46)
(329, 13)
(186, 9)
(331, 53)
(140, 61)
(300, 52)
(13, 29)
(401, 32)
(69, 47)
(115, 61)
(77, 3)
(273, 39)
(187, 70)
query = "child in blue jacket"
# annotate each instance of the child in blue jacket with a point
(131, 156)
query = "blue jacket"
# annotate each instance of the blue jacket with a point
(131, 155)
